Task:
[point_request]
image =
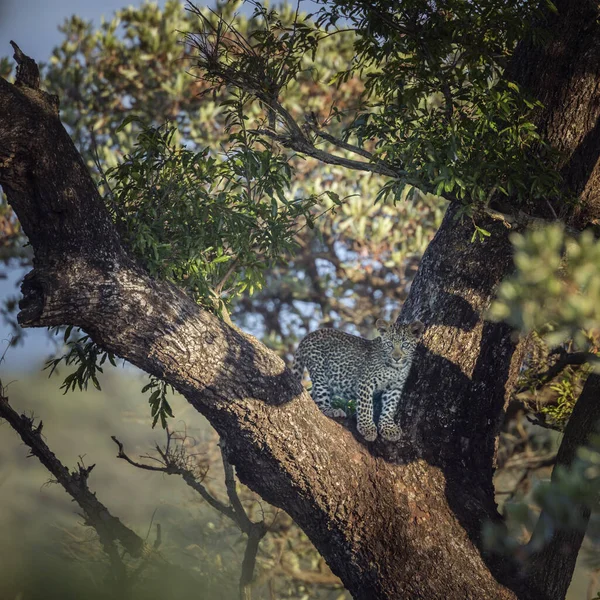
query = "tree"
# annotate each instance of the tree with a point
(360, 244)
(384, 516)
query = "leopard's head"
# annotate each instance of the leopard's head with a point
(399, 339)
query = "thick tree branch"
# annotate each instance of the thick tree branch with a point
(28, 74)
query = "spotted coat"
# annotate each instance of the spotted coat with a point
(351, 367)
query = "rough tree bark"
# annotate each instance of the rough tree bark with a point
(392, 520)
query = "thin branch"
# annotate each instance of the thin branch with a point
(109, 528)
(244, 523)
(170, 466)
(338, 142)
(256, 534)
(566, 359)
(527, 464)
(305, 146)
(174, 462)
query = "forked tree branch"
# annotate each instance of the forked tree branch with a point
(174, 461)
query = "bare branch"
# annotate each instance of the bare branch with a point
(109, 528)
(566, 359)
(255, 531)
(172, 466)
(175, 463)
(244, 523)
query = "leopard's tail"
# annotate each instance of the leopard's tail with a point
(298, 368)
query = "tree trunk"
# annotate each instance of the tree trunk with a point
(392, 520)
(563, 545)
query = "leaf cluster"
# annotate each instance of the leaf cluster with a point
(86, 355)
(437, 104)
(555, 289)
(212, 223)
(437, 111)
(159, 405)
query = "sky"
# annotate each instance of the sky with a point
(33, 25)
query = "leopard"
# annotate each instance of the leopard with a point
(348, 366)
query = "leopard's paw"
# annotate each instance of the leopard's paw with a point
(391, 433)
(334, 413)
(368, 431)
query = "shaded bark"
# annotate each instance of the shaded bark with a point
(564, 74)
(392, 521)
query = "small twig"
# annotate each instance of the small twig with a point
(219, 286)
(566, 359)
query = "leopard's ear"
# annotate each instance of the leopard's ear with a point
(382, 326)
(416, 328)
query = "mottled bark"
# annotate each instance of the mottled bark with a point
(392, 521)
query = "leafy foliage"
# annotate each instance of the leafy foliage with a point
(212, 224)
(436, 113)
(555, 289)
(437, 103)
(84, 353)
(159, 405)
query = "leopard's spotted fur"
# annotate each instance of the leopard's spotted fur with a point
(351, 367)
